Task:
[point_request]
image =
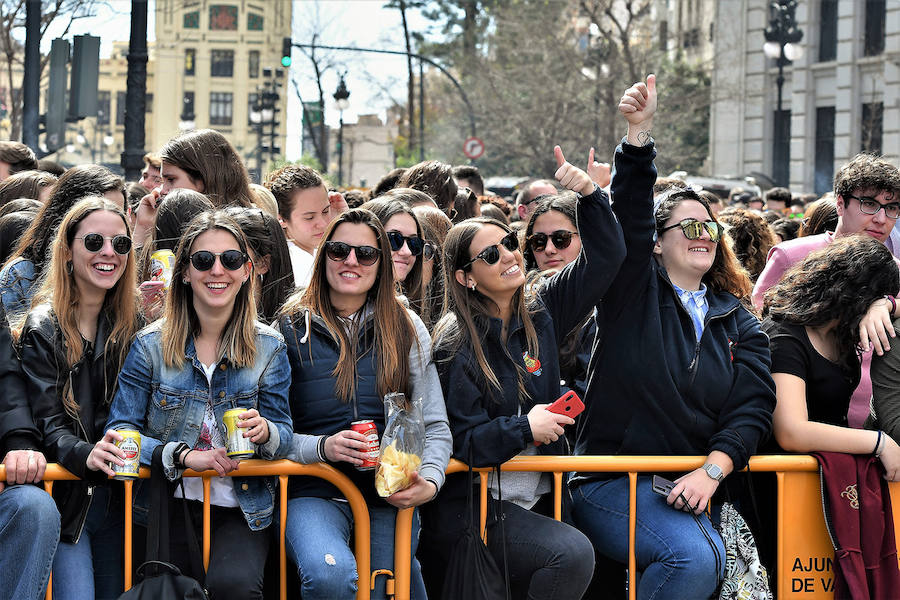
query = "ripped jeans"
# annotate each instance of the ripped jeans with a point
(318, 538)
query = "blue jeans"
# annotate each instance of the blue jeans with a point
(674, 557)
(94, 567)
(29, 532)
(317, 539)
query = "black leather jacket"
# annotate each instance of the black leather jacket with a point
(68, 440)
(17, 428)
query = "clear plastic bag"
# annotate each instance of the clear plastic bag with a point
(402, 444)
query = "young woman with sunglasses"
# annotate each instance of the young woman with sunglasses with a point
(435, 226)
(552, 242)
(206, 355)
(72, 345)
(496, 353)
(351, 341)
(404, 235)
(682, 368)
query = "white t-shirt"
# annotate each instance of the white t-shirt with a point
(221, 489)
(302, 264)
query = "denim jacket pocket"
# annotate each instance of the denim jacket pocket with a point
(248, 399)
(165, 410)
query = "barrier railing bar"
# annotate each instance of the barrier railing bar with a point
(482, 502)
(48, 487)
(129, 539)
(779, 523)
(282, 528)
(403, 553)
(206, 522)
(632, 522)
(557, 495)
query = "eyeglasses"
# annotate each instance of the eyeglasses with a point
(429, 251)
(93, 242)
(491, 254)
(693, 229)
(413, 242)
(365, 255)
(561, 240)
(871, 206)
(203, 260)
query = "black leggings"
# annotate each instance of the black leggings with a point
(237, 555)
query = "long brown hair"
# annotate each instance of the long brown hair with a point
(467, 312)
(726, 273)
(239, 338)
(60, 290)
(394, 330)
(207, 156)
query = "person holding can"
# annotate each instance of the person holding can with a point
(207, 356)
(72, 345)
(350, 342)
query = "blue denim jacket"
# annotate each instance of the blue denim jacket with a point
(17, 286)
(167, 404)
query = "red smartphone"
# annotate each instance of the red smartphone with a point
(569, 404)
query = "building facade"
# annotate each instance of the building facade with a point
(212, 59)
(840, 97)
(368, 151)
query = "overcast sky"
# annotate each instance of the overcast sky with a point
(371, 79)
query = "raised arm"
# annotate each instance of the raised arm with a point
(571, 294)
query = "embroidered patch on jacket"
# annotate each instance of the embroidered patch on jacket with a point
(532, 365)
(851, 495)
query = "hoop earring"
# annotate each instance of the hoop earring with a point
(472, 287)
(69, 267)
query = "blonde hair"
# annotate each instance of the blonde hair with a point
(61, 292)
(180, 319)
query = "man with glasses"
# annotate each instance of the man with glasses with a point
(525, 203)
(867, 190)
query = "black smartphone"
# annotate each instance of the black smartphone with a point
(661, 485)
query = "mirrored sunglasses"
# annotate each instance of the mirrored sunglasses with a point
(693, 229)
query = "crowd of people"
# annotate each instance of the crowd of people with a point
(688, 324)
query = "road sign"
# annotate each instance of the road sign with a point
(473, 148)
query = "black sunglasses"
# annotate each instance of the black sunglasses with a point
(413, 242)
(561, 240)
(93, 242)
(491, 254)
(203, 260)
(693, 229)
(339, 251)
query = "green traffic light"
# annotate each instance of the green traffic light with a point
(285, 61)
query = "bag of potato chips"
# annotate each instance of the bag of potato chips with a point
(402, 444)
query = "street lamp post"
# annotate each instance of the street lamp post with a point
(340, 98)
(782, 36)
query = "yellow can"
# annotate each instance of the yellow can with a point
(131, 445)
(162, 262)
(236, 444)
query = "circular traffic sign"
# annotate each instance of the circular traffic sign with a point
(473, 148)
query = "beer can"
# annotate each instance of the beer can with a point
(368, 429)
(131, 445)
(236, 444)
(161, 264)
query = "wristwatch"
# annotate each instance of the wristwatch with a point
(176, 455)
(714, 471)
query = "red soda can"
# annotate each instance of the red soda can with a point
(368, 429)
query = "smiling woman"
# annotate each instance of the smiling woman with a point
(351, 341)
(72, 343)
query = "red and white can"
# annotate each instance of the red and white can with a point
(368, 429)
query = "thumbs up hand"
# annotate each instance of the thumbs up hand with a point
(570, 176)
(599, 172)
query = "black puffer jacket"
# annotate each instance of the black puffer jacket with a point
(68, 440)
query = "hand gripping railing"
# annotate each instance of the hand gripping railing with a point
(788, 470)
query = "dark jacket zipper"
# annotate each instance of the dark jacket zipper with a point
(84, 513)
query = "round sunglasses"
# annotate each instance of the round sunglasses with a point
(491, 254)
(693, 229)
(93, 243)
(561, 240)
(203, 260)
(413, 242)
(339, 251)
(429, 251)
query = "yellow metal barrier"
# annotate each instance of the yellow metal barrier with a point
(805, 556)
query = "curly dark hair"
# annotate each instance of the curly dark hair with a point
(837, 283)
(751, 237)
(867, 171)
(787, 229)
(726, 273)
(819, 217)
